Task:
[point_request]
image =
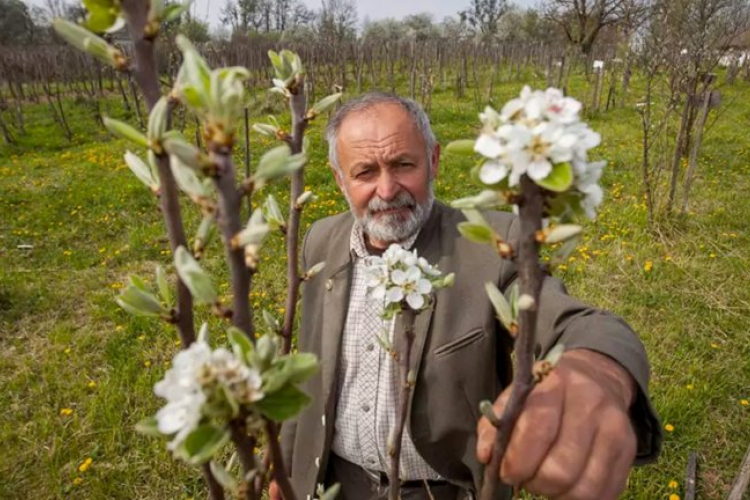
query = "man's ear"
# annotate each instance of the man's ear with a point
(337, 177)
(435, 160)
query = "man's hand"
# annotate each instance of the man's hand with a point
(574, 439)
(274, 492)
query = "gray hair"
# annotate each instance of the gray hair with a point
(368, 101)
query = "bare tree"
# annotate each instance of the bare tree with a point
(483, 15)
(583, 20)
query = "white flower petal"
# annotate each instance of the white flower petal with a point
(492, 172)
(415, 301)
(393, 295)
(539, 169)
(488, 146)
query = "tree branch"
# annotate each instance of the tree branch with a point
(530, 276)
(298, 105)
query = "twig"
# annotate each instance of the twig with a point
(530, 212)
(245, 445)
(279, 470)
(403, 351)
(298, 107)
(230, 200)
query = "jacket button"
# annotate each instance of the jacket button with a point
(329, 285)
(317, 462)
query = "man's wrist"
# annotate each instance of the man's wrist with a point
(608, 371)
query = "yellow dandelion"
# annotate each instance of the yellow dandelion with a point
(744, 402)
(689, 387)
(648, 266)
(92, 384)
(67, 350)
(673, 484)
(714, 345)
(66, 412)
(77, 481)
(669, 428)
(674, 496)
(85, 465)
(147, 363)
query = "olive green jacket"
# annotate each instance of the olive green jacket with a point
(461, 353)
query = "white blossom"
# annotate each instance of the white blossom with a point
(532, 134)
(401, 276)
(195, 373)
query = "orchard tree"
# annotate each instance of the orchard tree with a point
(483, 15)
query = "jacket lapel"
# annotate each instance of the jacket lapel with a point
(335, 306)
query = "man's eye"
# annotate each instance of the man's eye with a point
(405, 164)
(363, 174)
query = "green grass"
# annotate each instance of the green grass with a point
(65, 347)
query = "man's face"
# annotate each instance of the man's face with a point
(385, 172)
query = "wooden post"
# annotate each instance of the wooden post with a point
(741, 482)
(690, 475)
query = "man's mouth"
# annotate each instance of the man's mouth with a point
(391, 210)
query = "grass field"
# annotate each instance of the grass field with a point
(76, 372)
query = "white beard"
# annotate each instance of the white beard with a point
(393, 227)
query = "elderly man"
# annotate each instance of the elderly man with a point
(583, 426)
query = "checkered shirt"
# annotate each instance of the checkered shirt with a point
(368, 382)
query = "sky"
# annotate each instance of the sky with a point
(371, 9)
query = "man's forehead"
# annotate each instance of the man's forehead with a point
(383, 125)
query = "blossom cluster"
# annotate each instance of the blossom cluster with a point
(534, 134)
(201, 378)
(399, 276)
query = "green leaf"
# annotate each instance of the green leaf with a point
(86, 41)
(461, 147)
(122, 129)
(560, 179)
(276, 163)
(500, 304)
(475, 232)
(562, 232)
(165, 290)
(325, 104)
(486, 199)
(554, 354)
(266, 350)
(194, 277)
(143, 172)
(515, 293)
(225, 479)
(136, 300)
(157, 120)
(241, 344)
(149, 426)
(283, 404)
(300, 366)
(203, 443)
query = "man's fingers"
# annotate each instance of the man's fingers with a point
(607, 471)
(535, 432)
(273, 491)
(568, 456)
(486, 432)
(609, 463)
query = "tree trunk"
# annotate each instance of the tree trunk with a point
(695, 150)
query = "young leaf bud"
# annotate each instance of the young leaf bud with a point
(122, 129)
(304, 198)
(500, 304)
(488, 411)
(563, 232)
(323, 105)
(157, 123)
(314, 271)
(85, 41)
(142, 171)
(525, 302)
(194, 277)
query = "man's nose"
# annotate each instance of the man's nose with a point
(388, 186)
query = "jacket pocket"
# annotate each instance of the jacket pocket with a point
(459, 343)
